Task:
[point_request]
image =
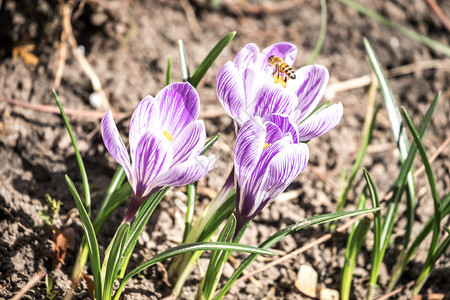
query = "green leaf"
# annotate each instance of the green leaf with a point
(112, 258)
(377, 246)
(184, 62)
(354, 244)
(444, 49)
(84, 179)
(436, 226)
(187, 248)
(394, 202)
(110, 202)
(398, 131)
(190, 208)
(218, 217)
(169, 70)
(209, 143)
(217, 260)
(90, 238)
(192, 191)
(210, 58)
(358, 161)
(142, 216)
(275, 238)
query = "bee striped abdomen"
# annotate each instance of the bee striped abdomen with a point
(287, 70)
(281, 67)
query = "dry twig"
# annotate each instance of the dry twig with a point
(87, 68)
(438, 11)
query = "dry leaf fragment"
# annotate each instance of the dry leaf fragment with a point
(24, 50)
(307, 281)
(64, 240)
(90, 284)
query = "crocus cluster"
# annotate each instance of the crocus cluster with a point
(273, 119)
(165, 138)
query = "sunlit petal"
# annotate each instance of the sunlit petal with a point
(320, 123)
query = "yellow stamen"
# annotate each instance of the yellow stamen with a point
(279, 79)
(168, 135)
(266, 145)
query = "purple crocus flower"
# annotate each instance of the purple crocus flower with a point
(267, 158)
(247, 88)
(165, 142)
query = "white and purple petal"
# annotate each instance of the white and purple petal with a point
(145, 118)
(189, 143)
(272, 98)
(187, 172)
(230, 90)
(309, 86)
(285, 126)
(286, 51)
(153, 157)
(248, 148)
(179, 105)
(114, 143)
(246, 57)
(320, 123)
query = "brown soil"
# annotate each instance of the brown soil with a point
(127, 44)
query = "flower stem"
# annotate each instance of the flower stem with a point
(182, 264)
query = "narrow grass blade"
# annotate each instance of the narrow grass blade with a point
(275, 238)
(169, 70)
(395, 119)
(192, 191)
(209, 143)
(90, 238)
(436, 226)
(210, 58)
(217, 260)
(84, 178)
(444, 49)
(111, 260)
(219, 216)
(109, 203)
(407, 254)
(358, 161)
(354, 243)
(188, 248)
(377, 256)
(117, 198)
(184, 62)
(142, 216)
(394, 202)
(190, 208)
(322, 32)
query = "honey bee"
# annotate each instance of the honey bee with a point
(281, 67)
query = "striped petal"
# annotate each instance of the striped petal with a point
(246, 57)
(230, 90)
(320, 123)
(309, 86)
(114, 143)
(248, 148)
(179, 105)
(189, 143)
(153, 157)
(281, 124)
(272, 98)
(145, 118)
(187, 172)
(286, 51)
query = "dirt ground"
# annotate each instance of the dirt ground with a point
(127, 44)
